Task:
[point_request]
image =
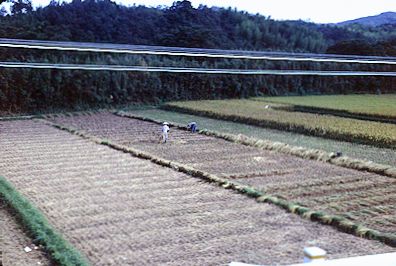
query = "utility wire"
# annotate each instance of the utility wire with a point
(192, 70)
(192, 52)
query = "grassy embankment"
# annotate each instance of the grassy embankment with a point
(60, 251)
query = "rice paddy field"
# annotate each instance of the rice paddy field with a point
(121, 210)
(376, 105)
(354, 150)
(117, 207)
(359, 196)
(327, 126)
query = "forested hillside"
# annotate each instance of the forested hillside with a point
(179, 25)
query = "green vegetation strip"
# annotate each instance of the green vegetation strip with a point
(338, 222)
(301, 152)
(60, 251)
(255, 113)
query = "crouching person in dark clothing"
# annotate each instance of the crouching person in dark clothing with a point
(192, 127)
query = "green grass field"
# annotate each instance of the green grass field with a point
(255, 113)
(381, 105)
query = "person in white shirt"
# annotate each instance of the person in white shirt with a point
(165, 130)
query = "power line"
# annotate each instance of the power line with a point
(192, 52)
(191, 70)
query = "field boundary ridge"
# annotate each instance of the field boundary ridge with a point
(58, 248)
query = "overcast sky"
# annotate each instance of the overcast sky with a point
(319, 11)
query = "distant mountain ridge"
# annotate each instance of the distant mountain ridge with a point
(378, 20)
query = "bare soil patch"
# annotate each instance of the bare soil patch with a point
(13, 241)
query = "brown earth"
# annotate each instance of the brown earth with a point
(13, 240)
(120, 210)
(363, 197)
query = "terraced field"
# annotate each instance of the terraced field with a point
(326, 126)
(359, 104)
(120, 210)
(362, 197)
(354, 150)
(13, 240)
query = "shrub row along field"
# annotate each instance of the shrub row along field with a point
(60, 251)
(365, 106)
(256, 113)
(354, 150)
(361, 197)
(13, 240)
(120, 210)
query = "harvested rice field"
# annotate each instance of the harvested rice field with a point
(354, 150)
(361, 197)
(13, 241)
(120, 210)
(327, 126)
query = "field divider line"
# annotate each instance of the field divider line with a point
(58, 248)
(21, 117)
(338, 222)
(305, 153)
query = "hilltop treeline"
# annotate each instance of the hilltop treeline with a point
(179, 25)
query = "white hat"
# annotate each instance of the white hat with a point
(165, 123)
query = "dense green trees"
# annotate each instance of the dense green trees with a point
(364, 47)
(180, 25)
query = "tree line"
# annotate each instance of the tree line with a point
(179, 25)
